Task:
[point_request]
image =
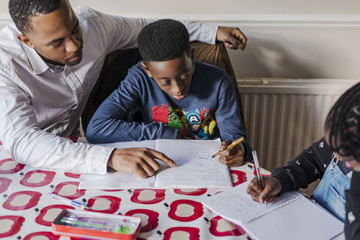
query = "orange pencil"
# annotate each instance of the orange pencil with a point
(231, 145)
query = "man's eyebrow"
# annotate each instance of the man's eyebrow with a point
(61, 39)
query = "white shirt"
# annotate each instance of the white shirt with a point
(39, 105)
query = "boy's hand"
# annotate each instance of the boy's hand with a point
(139, 161)
(233, 157)
(272, 187)
(233, 38)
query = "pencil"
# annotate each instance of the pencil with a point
(233, 144)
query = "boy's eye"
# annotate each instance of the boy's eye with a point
(185, 76)
(165, 83)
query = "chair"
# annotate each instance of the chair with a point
(117, 64)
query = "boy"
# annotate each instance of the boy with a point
(178, 97)
(334, 159)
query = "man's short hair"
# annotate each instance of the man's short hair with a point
(163, 40)
(343, 124)
(21, 10)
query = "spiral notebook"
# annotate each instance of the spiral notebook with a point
(289, 216)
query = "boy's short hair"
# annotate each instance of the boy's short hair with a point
(20, 11)
(163, 40)
(343, 124)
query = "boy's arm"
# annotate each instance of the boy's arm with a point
(110, 124)
(307, 167)
(228, 117)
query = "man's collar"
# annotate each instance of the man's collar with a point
(38, 64)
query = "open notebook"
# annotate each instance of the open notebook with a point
(289, 216)
(194, 167)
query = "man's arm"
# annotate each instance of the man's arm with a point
(27, 143)
(123, 32)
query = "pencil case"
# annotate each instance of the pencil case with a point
(79, 223)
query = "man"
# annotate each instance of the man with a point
(334, 159)
(178, 97)
(49, 63)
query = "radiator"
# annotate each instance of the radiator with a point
(284, 116)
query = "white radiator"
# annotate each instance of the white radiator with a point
(284, 116)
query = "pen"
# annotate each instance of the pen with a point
(72, 202)
(231, 145)
(257, 167)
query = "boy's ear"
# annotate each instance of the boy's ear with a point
(143, 65)
(25, 39)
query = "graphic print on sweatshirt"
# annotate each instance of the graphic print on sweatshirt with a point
(195, 124)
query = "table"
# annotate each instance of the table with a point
(26, 210)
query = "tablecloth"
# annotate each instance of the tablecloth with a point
(26, 210)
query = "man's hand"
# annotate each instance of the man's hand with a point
(139, 161)
(233, 157)
(233, 38)
(272, 187)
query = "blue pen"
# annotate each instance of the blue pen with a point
(71, 202)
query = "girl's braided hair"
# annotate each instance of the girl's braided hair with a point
(343, 124)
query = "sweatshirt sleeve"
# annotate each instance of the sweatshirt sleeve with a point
(307, 167)
(228, 116)
(110, 122)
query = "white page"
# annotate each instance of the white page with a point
(195, 166)
(299, 219)
(237, 206)
(119, 180)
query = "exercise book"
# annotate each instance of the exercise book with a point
(289, 216)
(195, 168)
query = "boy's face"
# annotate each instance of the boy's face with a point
(173, 76)
(56, 36)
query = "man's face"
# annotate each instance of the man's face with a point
(56, 36)
(173, 76)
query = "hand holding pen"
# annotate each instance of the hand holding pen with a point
(263, 189)
(231, 153)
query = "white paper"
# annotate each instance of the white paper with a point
(195, 167)
(291, 216)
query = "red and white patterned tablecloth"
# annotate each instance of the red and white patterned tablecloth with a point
(26, 211)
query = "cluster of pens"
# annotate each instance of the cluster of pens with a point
(99, 224)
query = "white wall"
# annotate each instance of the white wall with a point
(286, 39)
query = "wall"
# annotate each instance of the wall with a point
(287, 39)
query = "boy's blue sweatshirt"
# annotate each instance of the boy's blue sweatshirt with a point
(208, 111)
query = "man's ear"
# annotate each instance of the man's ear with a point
(146, 69)
(25, 39)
